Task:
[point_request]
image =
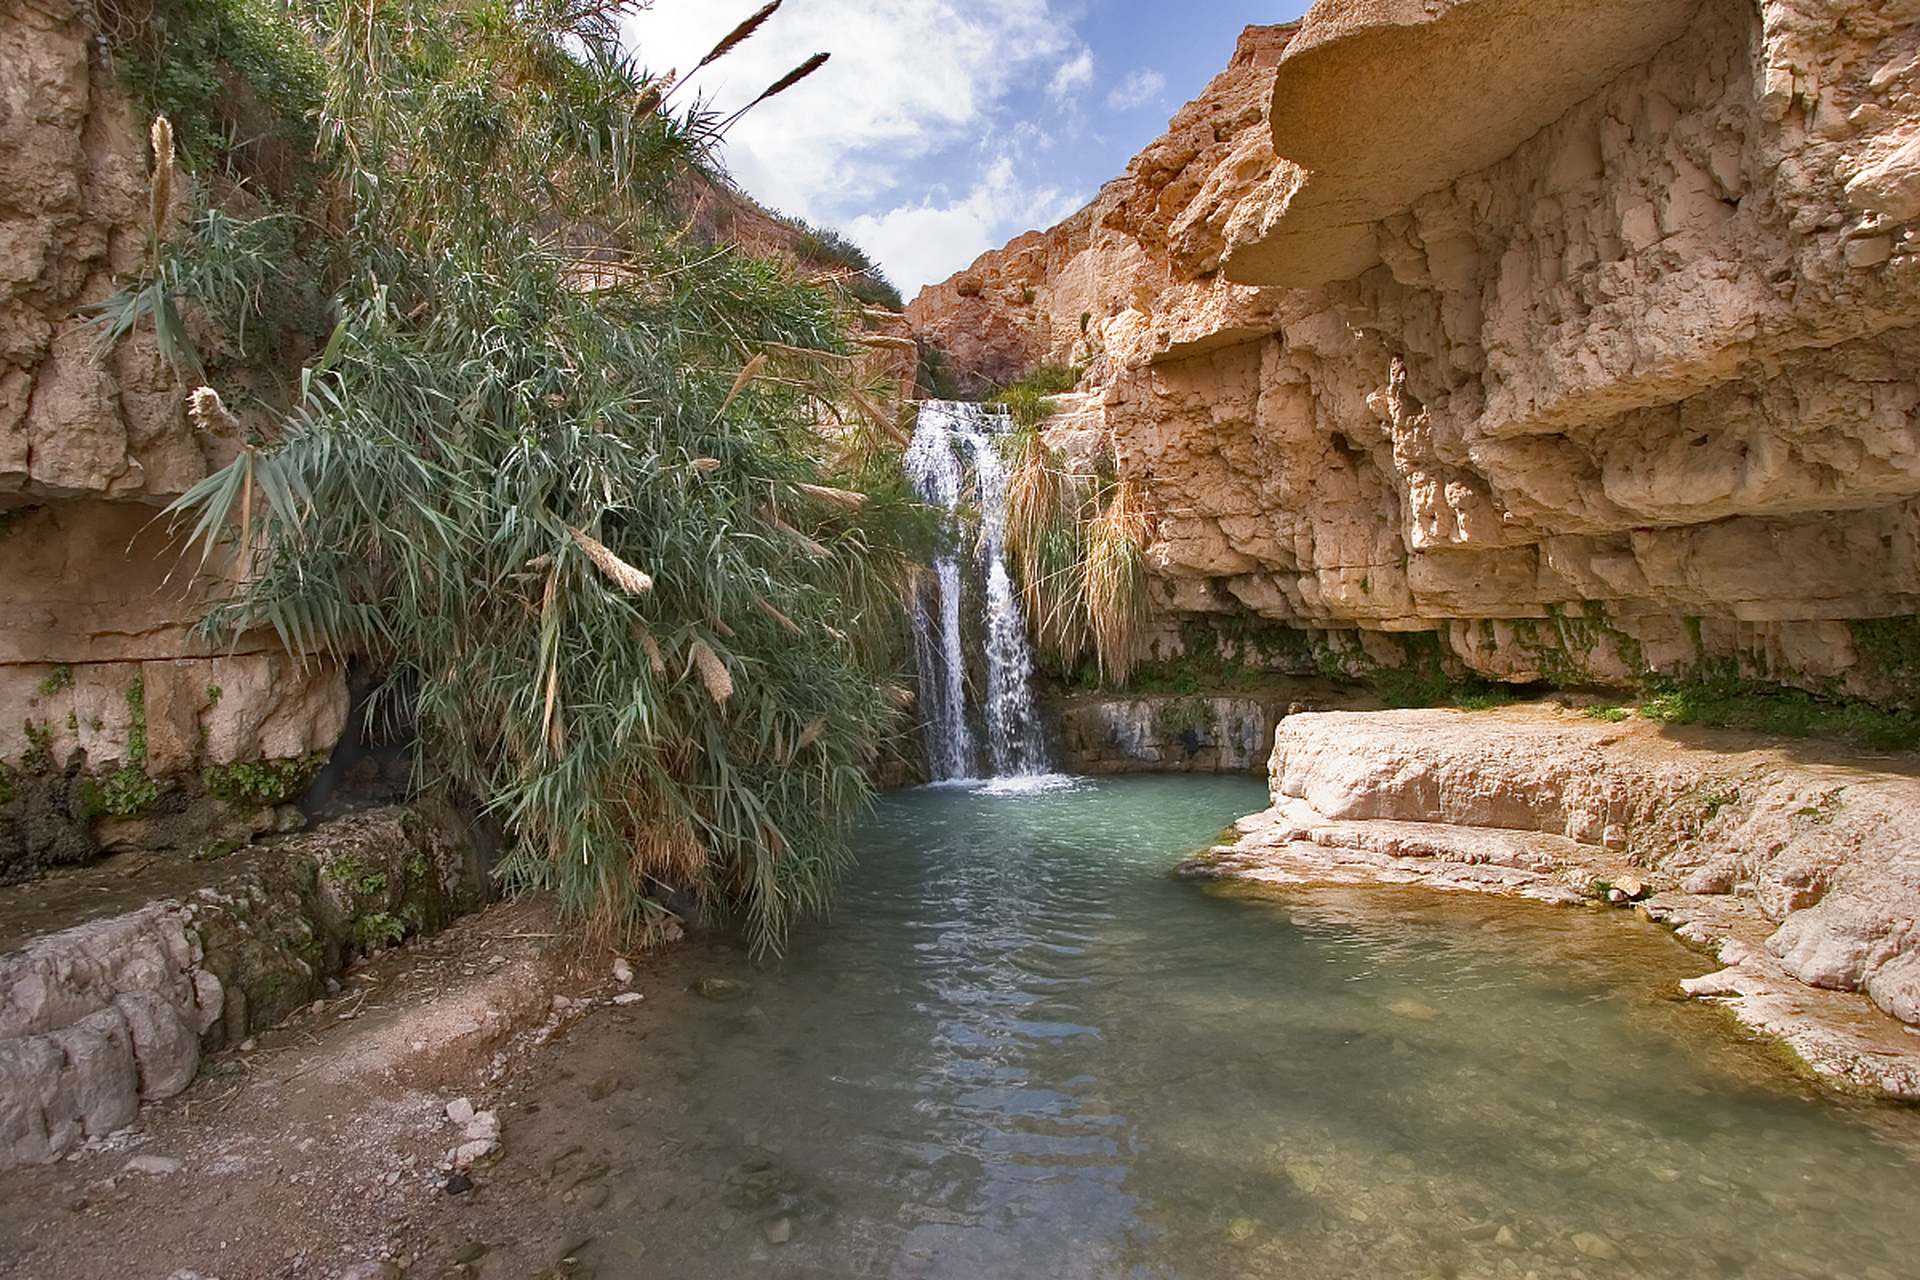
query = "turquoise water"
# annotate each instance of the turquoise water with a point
(1022, 1050)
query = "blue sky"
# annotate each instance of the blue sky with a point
(943, 128)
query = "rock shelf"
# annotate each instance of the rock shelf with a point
(1797, 865)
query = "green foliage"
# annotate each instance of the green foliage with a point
(1890, 646)
(524, 477)
(38, 757)
(1729, 702)
(1611, 712)
(865, 282)
(9, 785)
(57, 680)
(1470, 698)
(124, 793)
(373, 930)
(186, 59)
(137, 721)
(1026, 400)
(261, 272)
(257, 784)
(932, 375)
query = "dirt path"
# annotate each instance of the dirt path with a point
(320, 1149)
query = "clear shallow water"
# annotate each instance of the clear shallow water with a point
(1021, 1050)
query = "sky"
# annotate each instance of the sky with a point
(939, 129)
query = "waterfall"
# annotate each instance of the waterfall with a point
(947, 437)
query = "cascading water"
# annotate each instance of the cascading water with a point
(946, 437)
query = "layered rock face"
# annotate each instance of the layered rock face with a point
(98, 597)
(1582, 335)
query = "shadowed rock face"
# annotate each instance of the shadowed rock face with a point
(1581, 335)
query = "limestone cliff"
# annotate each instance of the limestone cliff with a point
(98, 598)
(1581, 334)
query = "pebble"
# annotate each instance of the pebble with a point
(372, 1269)
(779, 1232)
(1506, 1238)
(468, 1152)
(460, 1112)
(459, 1184)
(722, 988)
(622, 971)
(628, 997)
(1595, 1246)
(154, 1164)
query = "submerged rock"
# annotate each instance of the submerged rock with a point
(723, 988)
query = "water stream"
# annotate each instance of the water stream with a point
(1021, 1050)
(952, 459)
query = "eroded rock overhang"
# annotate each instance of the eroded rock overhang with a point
(1378, 102)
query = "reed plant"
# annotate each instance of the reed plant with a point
(1115, 580)
(566, 474)
(1079, 550)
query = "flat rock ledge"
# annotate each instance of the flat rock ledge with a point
(1797, 864)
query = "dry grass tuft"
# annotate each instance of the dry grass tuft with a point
(1115, 582)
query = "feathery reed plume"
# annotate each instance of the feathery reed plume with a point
(793, 77)
(811, 734)
(838, 497)
(781, 85)
(738, 34)
(648, 645)
(1115, 579)
(899, 697)
(650, 97)
(713, 672)
(772, 517)
(779, 617)
(618, 571)
(746, 375)
(210, 415)
(160, 195)
(705, 464)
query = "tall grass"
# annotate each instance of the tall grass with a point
(1115, 581)
(641, 616)
(1079, 548)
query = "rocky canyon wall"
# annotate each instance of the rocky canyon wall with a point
(97, 594)
(1582, 336)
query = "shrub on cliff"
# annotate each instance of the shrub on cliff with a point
(559, 469)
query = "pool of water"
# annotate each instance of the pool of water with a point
(1020, 1049)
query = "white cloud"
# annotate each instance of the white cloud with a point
(1074, 75)
(1140, 87)
(917, 244)
(906, 78)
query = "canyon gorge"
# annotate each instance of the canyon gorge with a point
(1591, 361)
